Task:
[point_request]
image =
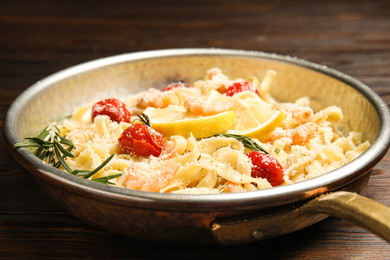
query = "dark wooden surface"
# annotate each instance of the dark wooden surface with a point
(40, 37)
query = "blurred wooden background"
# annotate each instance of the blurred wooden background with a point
(38, 38)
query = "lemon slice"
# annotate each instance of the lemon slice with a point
(254, 117)
(175, 120)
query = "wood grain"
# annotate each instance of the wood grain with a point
(41, 37)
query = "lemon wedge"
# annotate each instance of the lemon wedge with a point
(254, 117)
(263, 129)
(176, 120)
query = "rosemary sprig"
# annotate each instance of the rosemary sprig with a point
(246, 141)
(105, 179)
(49, 147)
(87, 174)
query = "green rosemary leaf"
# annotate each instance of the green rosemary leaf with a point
(246, 141)
(57, 164)
(80, 173)
(75, 172)
(27, 143)
(45, 154)
(45, 133)
(51, 159)
(65, 152)
(99, 167)
(40, 141)
(61, 159)
(66, 142)
(39, 152)
(105, 179)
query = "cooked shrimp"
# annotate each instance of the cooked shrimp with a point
(300, 113)
(233, 187)
(140, 176)
(169, 150)
(211, 73)
(202, 107)
(215, 79)
(158, 99)
(299, 135)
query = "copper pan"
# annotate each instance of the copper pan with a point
(224, 218)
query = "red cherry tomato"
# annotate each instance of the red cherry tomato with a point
(141, 140)
(113, 108)
(266, 166)
(175, 85)
(240, 86)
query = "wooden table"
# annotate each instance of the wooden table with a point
(41, 37)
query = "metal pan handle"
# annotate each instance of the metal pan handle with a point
(358, 209)
(351, 206)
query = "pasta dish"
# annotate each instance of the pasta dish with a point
(216, 135)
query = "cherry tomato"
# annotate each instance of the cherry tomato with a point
(141, 140)
(113, 108)
(240, 86)
(266, 166)
(175, 85)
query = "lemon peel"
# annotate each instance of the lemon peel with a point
(254, 117)
(177, 121)
(264, 129)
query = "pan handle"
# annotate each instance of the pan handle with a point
(351, 206)
(356, 208)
